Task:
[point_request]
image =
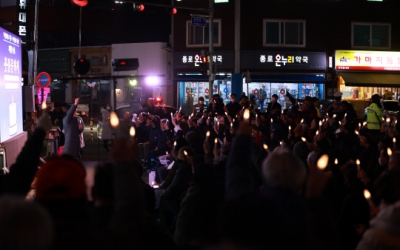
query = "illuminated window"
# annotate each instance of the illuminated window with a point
(284, 33)
(197, 36)
(371, 35)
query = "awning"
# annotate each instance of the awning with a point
(288, 78)
(198, 78)
(370, 79)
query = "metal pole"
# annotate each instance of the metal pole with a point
(211, 49)
(35, 39)
(172, 75)
(80, 33)
(237, 37)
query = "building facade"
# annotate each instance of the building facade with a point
(291, 46)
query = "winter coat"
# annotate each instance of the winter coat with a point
(72, 143)
(106, 126)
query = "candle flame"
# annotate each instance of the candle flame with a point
(132, 131)
(320, 123)
(246, 114)
(44, 106)
(388, 120)
(364, 123)
(174, 143)
(345, 114)
(334, 116)
(265, 146)
(281, 143)
(317, 133)
(114, 120)
(359, 124)
(367, 194)
(389, 151)
(184, 152)
(231, 124)
(208, 134)
(215, 140)
(336, 161)
(358, 162)
(303, 139)
(302, 120)
(323, 162)
(357, 133)
(394, 139)
(290, 127)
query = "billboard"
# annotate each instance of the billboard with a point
(10, 86)
(360, 60)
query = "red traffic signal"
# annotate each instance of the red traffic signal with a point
(80, 3)
(81, 66)
(174, 11)
(138, 7)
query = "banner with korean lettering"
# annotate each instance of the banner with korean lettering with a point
(10, 86)
(22, 19)
(360, 60)
(283, 60)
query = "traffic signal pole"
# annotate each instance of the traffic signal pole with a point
(211, 49)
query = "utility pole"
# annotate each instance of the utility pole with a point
(35, 39)
(211, 49)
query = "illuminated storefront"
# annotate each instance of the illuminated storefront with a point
(299, 73)
(193, 80)
(360, 74)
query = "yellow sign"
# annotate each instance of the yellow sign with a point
(367, 60)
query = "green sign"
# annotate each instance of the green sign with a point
(54, 61)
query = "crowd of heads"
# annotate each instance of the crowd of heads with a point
(230, 176)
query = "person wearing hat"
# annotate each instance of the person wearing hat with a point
(200, 107)
(334, 108)
(274, 108)
(374, 114)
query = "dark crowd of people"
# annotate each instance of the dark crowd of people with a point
(223, 177)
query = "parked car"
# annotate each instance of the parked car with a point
(390, 108)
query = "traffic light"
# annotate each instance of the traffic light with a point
(81, 66)
(138, 7)
(125, 64)
(174, 11)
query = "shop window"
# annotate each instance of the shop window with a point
(263, 92)
(290, 33)
(197, 36)
(365, 35)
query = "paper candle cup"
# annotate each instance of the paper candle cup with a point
(323, 162)
(114, 120)
(132, 131)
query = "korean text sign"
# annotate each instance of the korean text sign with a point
(367, 60)
(10, 85)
